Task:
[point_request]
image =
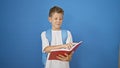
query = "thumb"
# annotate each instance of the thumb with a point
(71, 52)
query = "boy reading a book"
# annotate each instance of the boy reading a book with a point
(55, 18)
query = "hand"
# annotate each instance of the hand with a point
(68, 45)
(66, 57)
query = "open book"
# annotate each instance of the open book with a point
(57, 52)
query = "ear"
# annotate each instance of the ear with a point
(49, 18)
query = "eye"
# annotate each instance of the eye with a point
(55, 18)
(60, 19)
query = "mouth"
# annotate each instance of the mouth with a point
(58, 24)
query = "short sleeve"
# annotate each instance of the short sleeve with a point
(45, 42)
(69, 39)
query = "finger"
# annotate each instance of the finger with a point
(70, 45)
(61, 56)
(66, 55)
(71, 53)
(67, 46)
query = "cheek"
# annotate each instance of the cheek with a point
(61, 21)
(54, 21)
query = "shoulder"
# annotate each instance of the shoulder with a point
(68, 31)
(46, 32)
(43, 33)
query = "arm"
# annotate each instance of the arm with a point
(49, 48)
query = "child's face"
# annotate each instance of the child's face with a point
(56, 20)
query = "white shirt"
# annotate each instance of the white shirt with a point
(56, 40)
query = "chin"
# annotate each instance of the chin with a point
(58, 27)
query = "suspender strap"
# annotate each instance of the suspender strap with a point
(49, 35)
(64, 36)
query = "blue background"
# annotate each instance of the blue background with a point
(96, 22)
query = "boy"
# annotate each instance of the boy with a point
(55, 18)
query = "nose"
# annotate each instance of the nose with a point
(58, 20)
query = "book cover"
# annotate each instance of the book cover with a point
(57, 52)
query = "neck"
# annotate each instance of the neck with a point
(56, 29)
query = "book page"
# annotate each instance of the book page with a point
(74, 45)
